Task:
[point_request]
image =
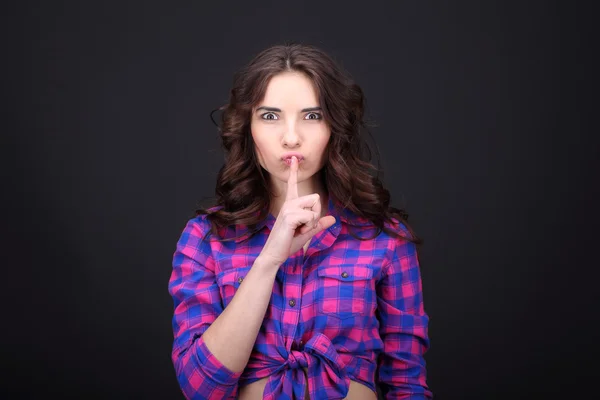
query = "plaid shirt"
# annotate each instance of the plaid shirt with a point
(347, 310)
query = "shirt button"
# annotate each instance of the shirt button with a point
(292, 303)
(240, 279)
(344, 274)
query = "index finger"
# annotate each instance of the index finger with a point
(292, 183)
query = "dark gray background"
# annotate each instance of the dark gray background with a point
(481, 110)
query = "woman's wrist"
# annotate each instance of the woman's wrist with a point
(266, 265)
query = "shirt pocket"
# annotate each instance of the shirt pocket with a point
(229, 281)
(343, 291)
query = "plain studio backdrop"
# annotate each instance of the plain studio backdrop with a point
(480, 110)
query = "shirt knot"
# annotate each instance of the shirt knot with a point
(297, 359)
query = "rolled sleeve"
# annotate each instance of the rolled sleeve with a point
(202, 376)
(197, 303)
(403, 326)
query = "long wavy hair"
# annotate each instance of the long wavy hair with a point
(243, 190)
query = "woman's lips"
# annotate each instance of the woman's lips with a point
(288, 161)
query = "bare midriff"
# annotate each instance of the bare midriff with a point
(255, 390)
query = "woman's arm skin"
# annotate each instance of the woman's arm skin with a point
(231, 345)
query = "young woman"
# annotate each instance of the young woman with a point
(301, 282)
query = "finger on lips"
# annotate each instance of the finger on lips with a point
(292, 191)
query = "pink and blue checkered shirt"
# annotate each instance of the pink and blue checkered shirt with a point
(347, 310)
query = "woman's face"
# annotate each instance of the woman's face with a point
(289, 120)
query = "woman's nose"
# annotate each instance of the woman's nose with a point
(290, 137)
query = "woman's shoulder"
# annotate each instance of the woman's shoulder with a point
(200, 225)
(399, 232)
(393, 224)
(397, 226)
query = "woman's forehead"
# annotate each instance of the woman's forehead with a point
(291, 91)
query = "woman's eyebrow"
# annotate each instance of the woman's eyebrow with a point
(279, 110)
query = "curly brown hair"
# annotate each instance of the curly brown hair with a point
(243, 192)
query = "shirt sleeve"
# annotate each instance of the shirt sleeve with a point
(403, 326)
(197, 303)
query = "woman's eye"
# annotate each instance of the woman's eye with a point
(269, 116)
(265, 115)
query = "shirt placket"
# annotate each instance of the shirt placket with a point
(292, 291)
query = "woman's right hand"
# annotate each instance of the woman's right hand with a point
(298, 220)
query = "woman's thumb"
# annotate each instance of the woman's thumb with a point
(307, 232)
(325, 222)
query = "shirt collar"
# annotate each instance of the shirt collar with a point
(342, 215)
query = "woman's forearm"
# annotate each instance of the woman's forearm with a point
(231, 337)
